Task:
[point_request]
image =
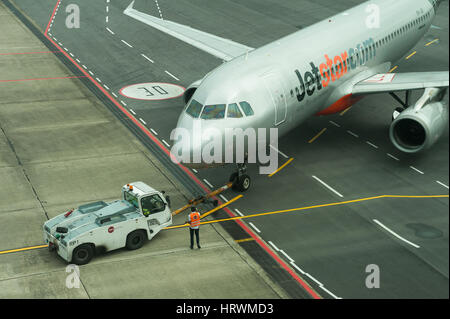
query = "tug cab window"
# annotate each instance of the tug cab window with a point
(152, 204)
(248, 111)
(194, 109)
(131, 199)
(213, 112)
(233, 111)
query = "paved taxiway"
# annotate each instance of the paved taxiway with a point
(59, 148)
(353, 156)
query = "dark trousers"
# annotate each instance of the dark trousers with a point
(197, 236)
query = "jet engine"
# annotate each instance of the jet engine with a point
(419, 126)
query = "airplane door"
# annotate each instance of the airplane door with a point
(274, 86)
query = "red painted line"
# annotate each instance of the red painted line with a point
(17, 53)
(186, 170)
(40, 79)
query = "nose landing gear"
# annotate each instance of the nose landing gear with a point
(241, 181)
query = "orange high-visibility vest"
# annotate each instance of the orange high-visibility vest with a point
(194, 218)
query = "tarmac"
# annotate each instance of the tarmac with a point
(60, 148)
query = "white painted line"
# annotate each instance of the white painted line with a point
(107, 19)
(298, 268)
(71, 55)
(392, 156)
(98, 80)
(91, 73)
(167, 144)
(314, 279)
(223, 197)
(237, 211)
(132, 111)
(373, 145)
(66, 49)
(115, 95)
(78, 60)
(84, 67)
(327, 186)
(60, 43)
(353, 134)
(329, 292)
(254, 227)
(396, 235)
(153, 131)
(123, 103)
(146, 57)
(273, 245)
(208, 183)
(442, 184)
(420, 172)
(335, 124)
(284, 155)
(107, 8)
(110, 30)
(172, 75)
(106, 87)
(143, 122)
(287, 256)
(195, 171)
(127, 43)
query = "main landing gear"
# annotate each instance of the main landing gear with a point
(241, 181)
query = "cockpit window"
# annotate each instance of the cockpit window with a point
(194, 109)
(246, 108)
(233, 111)
(213, 112)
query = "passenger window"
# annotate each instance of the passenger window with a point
(152, 204)
(246, 108)
(213, 112)
(194, 109)
(233, 111)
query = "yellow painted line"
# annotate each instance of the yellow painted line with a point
(316, 206)
(244, 240)
(282, 166)
(393, 69)
(345, 111)
(431, 42)
(221, 206)
(317, 136)
(407, 58)
(22, 249)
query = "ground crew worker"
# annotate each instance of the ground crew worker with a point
(194, 225)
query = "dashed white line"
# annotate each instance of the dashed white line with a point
(71, 54)
(107, 8)
(287, 256)
(194, 170)
(153, 131)
(127, 43)
(442, 184)
(84, 67)
(273, 245)
(106, 87)
(327, 186)
(146, 57)
(110, 31)
(353, 134)
(78, 60)
(254, 227)
(107, 19)
(143, 122)
(91, 73)
(98, 80)
(223, 197)
(284, 155)
(115, 95)
(418, 171)
(373, 145)
(208, 183)
(395, 234)
(172, 75)
(124, 104)
(237, 211)
(132, 111)
(167, 144)
(66, 49)
(335, 124)
(392, 156)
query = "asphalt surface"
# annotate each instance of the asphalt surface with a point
(333, 245)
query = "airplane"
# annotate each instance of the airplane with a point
(320, 70)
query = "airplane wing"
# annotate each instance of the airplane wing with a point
(224, 49)
(390, 82)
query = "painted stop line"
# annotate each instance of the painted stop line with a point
(153, 91)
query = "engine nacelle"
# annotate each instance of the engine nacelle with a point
(191, 90)
(420, 126)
